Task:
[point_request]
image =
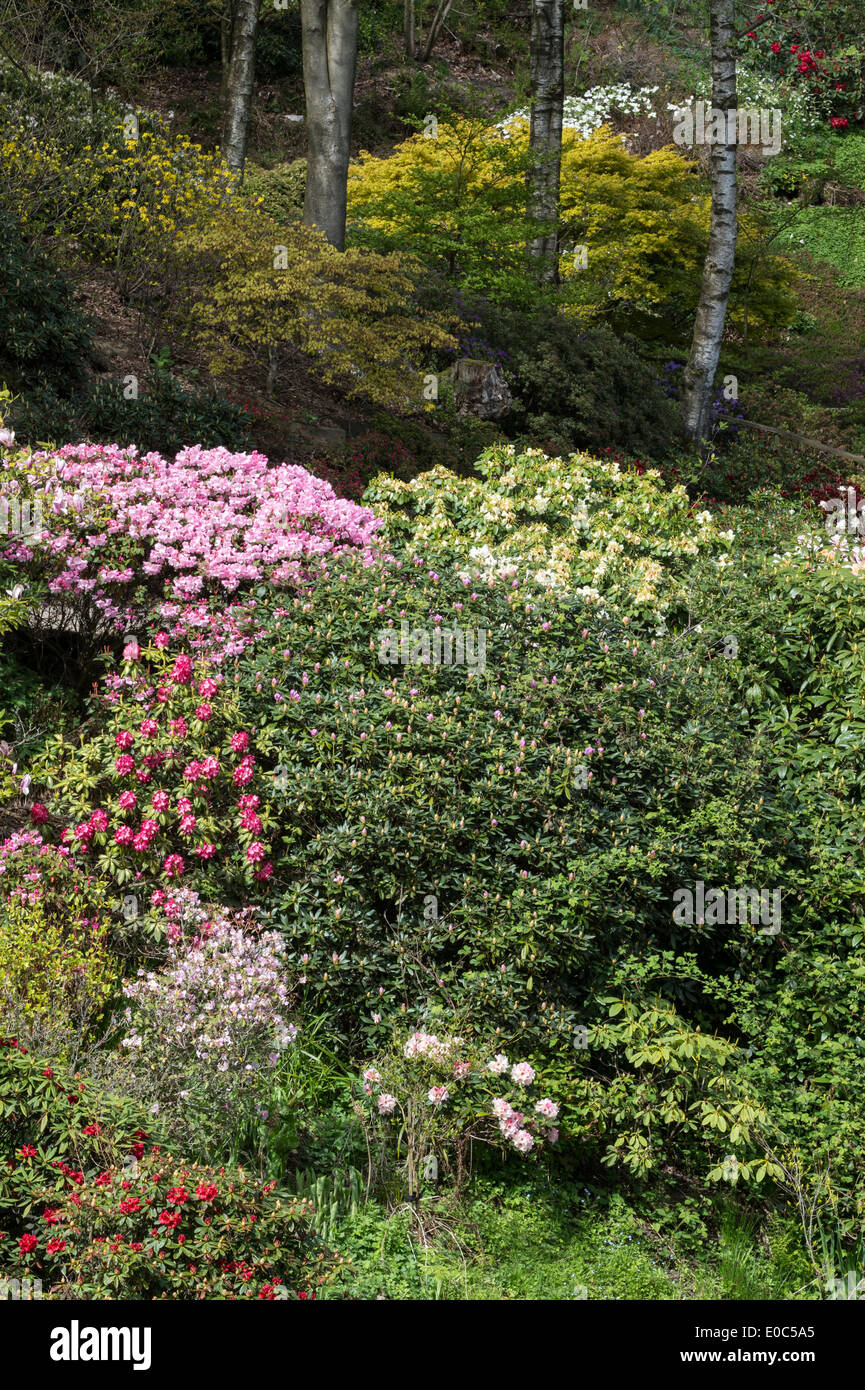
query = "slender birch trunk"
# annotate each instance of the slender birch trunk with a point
(545, 139)
(241, 80)
(699, 376)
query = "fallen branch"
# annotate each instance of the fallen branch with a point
(802, 439)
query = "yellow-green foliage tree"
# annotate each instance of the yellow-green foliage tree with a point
(633, 230)
(255, 288)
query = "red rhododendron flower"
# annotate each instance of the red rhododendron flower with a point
(38, 813)
(206, 1191)
(177, 1195)
(55, 1246)
(27, 1244)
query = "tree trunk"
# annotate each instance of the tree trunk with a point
(241, 79)
(720, 260)
(409, 21)
(329, 61)
(226, 25)
(439, 18)
(545, 139)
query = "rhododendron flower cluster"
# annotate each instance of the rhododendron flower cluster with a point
(445, 1114)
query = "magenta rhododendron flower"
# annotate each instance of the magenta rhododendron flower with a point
(38, 813)
(124, 740)
(239, 742)
(173, 866)
(127, 801)
(124, 764)
(255, 852)
(160, 801)
(181, 672)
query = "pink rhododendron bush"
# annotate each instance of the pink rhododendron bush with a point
(175, 783)
(125, 536)
(428, 1098)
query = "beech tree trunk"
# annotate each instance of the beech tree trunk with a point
(699, 376)
(240, 82)
(329, 62)
(548, 95)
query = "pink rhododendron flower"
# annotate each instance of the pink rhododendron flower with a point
(522, 1074)
(160, 801)
(173, 866)
(124, 740)
(499, 1065)
(203, 713)
(255, 852)
(438, 1095)
(239, 742)
(205, 851)
(547, 1108)
(523, 1141)
(386, 1103)
(124, 764)
(148, 728)
(127, 801)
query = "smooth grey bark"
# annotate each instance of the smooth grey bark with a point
(329, 63)
(240, 83)
(699, 376)
(408, 27)
(545, 139)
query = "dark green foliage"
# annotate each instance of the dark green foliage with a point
(45, 341)
(583, 388)
(165, 417)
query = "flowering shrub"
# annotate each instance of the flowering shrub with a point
(55, 1126)
(580, 525)
(433, 1096)
(164, 1229)
(202, 1031)
(816, 56)
(121, 530)
(171, 785)
(594, 108)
